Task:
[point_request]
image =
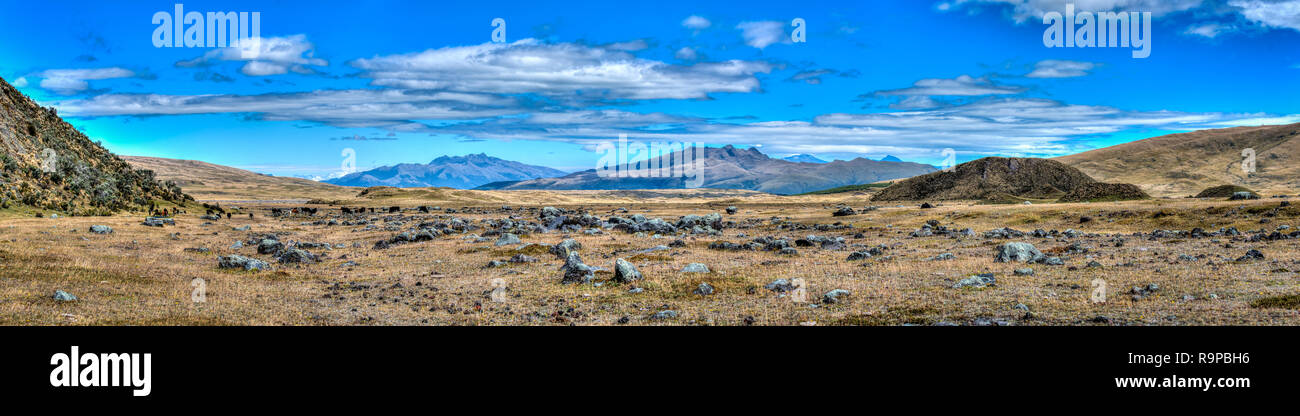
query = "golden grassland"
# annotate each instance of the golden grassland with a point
(141, 275)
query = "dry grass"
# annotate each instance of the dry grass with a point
(142, 276)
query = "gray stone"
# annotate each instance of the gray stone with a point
(236, 261)
(575, 271)
(62, 296)
(695, 268)
(1024, 272)
(101, 229)
(834, 296)
(1017, 252)
(664, 315)
(507, 239)
(296, 255)
(625, 272)
(779, 285)
(704, 289)
(565, 247)
(976, 281)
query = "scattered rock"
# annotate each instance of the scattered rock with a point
(976, 281)
(1018, 252)
(1251, 255)
(236, 261)
(508, 239)
(101, 229)
(779, 286)
(565, 247)
(704, 289)
(695, 268)
(575, 271)
(834, 296)
(664, 315)
(62, 296)
(625, 272)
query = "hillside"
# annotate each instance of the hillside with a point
(731, 168)
(461, 172)
(991, 178)
(206, 181)
(48, 164)
(1186, 163)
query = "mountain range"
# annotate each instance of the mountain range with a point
(729, 167)
(461, 172)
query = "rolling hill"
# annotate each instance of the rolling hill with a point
(208, 182)
(1183, 164)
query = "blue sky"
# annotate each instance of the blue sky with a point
(411, 81)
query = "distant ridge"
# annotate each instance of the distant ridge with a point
(460, 172)
(890, 158)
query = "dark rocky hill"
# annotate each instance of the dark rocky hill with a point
(48, 164)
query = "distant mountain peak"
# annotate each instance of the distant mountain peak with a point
(803, 158)
(890, 158)
(461, 172)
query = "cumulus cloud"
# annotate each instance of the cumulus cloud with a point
(1060, 69)
(696, 22)
(20, 82)
(71, 81)
(562, 71)
(1275, 13)
(964, 85)
(265, 56)
(762, 34)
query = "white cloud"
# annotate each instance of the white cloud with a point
(1000, 126)
(915, 103)
(1208, 30)
(565, 71)
(20, 82)
(685, 54)
(1060, 69)
(964, 85)
(1032, 10)
(272, 56)
(762, 34)
(345, 108)
(70, 81)
(629, 46)
(1276, 14)
(696, 22)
